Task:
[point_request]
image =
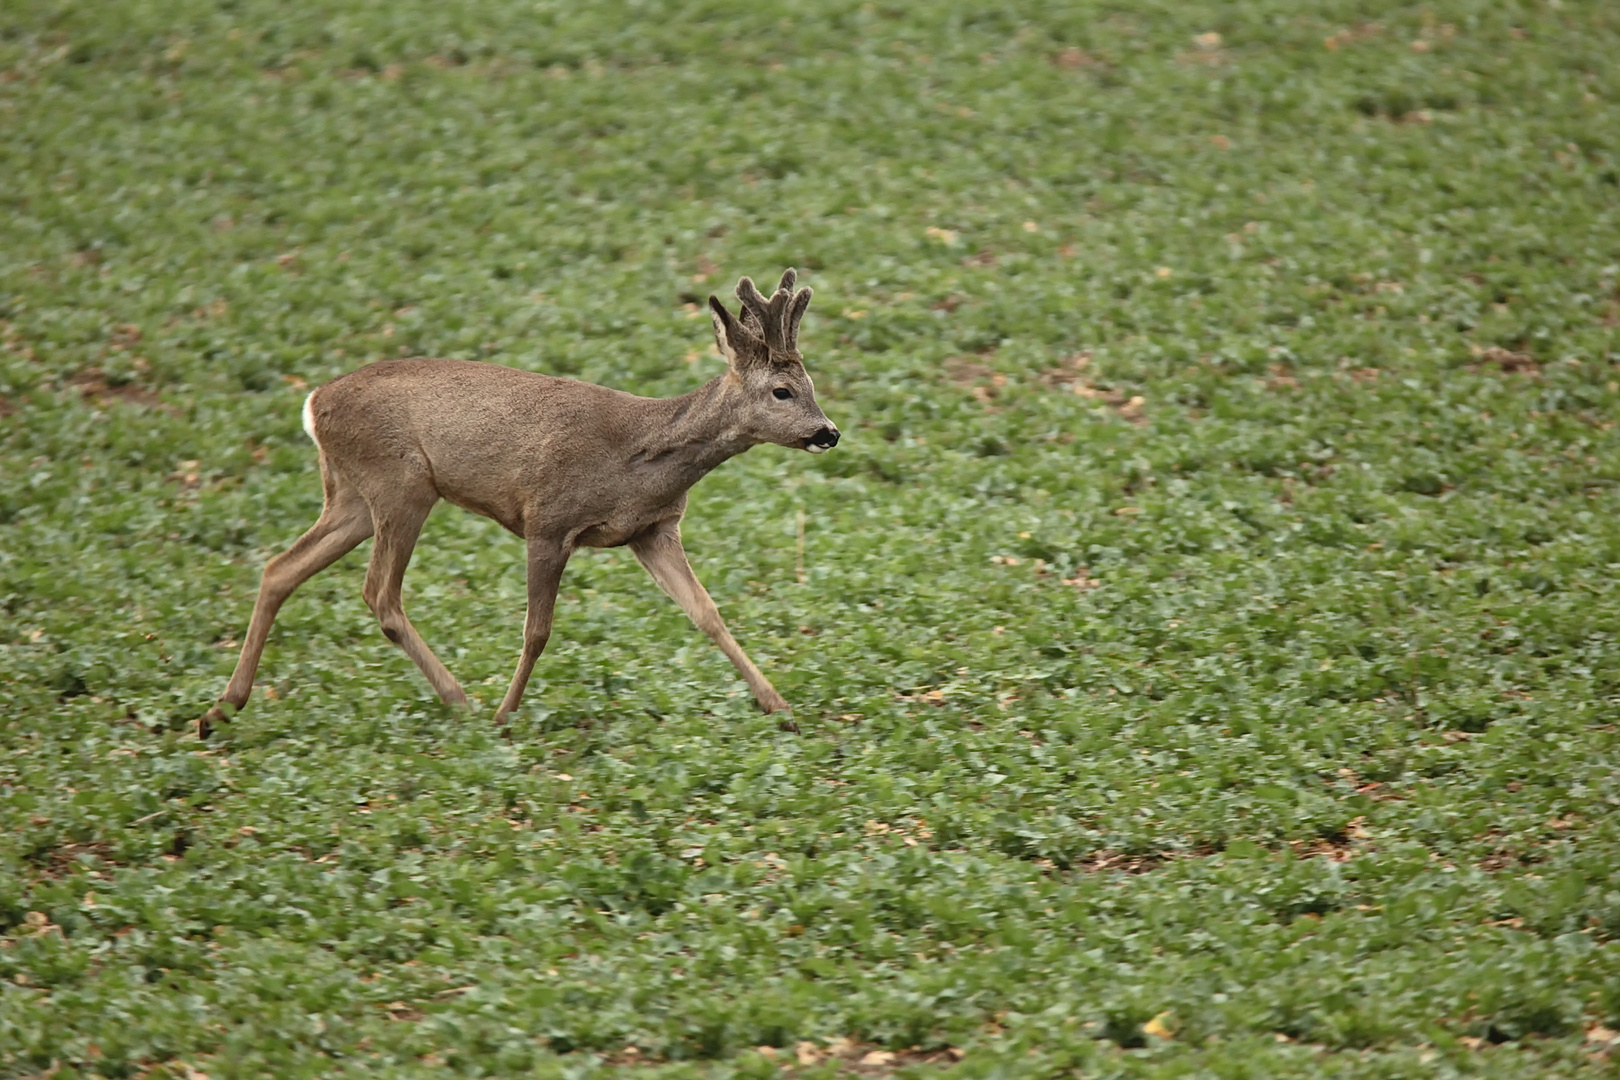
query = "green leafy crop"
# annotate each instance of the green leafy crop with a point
(1204, 638)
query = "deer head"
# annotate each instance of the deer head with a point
(774, 399)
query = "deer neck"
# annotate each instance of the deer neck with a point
(687, 436)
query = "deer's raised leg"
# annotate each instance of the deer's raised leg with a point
(343, 523)
(398, 522)
(659, 550)
(546, 562)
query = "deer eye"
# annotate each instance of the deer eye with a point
(782, 393)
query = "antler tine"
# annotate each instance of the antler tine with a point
(801, 301)
(779, 319)
(769, 314)
(782, 306)
(750, 322)
(753, 303)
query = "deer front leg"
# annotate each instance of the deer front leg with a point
(659, 550)
(546, 562)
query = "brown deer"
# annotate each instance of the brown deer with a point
(559, 462)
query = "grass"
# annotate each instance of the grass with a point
(1204, 638)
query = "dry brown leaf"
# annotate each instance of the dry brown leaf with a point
(188, 474)
(1510, 361)
(1346, 37)
(843, 1046)
(1074, 58)
(965, 372)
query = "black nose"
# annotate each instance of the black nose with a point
(827, 436)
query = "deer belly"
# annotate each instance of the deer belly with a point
(619, 529)
(607, 534)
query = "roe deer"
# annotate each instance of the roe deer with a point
(561, 463)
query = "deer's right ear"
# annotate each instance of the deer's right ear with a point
(726, 330)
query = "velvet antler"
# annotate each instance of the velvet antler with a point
(776, 320)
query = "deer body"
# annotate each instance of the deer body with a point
(562, 463)
(532, 452)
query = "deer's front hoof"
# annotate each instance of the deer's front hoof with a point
(206, 722)
(776, 703)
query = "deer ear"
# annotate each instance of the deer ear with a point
(726, 330)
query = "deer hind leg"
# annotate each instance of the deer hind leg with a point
(343, 524)
(660, 551)
(398, 518)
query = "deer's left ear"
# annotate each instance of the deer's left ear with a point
(726, 331)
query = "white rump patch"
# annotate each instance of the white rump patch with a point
(309, 418)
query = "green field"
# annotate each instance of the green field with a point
(1206, 640)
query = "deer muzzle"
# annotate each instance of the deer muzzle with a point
(822, 441)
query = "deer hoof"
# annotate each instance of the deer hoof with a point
(776, 704)
(206, 722)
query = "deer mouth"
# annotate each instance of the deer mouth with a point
(822, 441)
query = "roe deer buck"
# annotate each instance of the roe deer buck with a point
(559, 462)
